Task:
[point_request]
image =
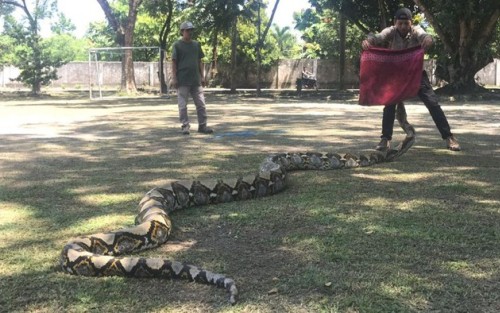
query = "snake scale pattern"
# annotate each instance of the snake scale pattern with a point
(99, 254)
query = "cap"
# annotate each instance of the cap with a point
(187, 25)
(403, 14)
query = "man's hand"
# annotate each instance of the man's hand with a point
(174, 82)
(426, 43)
(366, 44)
(203, 82)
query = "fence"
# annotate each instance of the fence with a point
(280, 76)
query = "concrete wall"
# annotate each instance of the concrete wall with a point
(280, 76)
(285, 73)
(108, 73)
(490, 74)
(6, 74)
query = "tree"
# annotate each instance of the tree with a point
(165, 31)
(235, 9)
(465, 30)
(322, 34)
(367, 15)
(7, 44)
(261, 37)
(124, 26)
(218, 18)
(495, 46)
(238, 48)
(287, 43)
(163, 12)
(226, 18)
(63, 25)
(37, 58)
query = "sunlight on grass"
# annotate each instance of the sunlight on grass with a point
(11, 212)
(401, 287)
(468, 269)
(394, 290)
(107, 199)
(397, 177)
(380, 203)
(22, 244)
(105, 223)
(216, 217)
(491, 202)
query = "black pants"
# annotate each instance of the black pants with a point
(427, 95)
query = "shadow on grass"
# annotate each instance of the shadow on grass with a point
(418, 234)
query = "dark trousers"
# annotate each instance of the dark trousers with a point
(427, 95)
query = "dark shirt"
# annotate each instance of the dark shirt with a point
(187, 56)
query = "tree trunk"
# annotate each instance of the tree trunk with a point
(462, 69)
(161, 73)
(383, 17)
(258, 48)
(234, 38)
(128, 77)
(163, 46)
(36, 86)
(215, 42)
(125, 38)
(465, 44)
(260, 40)
(34, 43)
(342, 52)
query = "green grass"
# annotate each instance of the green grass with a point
(420, 234)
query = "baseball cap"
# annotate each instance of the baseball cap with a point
(403, 14)
(187, 25)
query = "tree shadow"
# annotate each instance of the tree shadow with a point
(411, 235)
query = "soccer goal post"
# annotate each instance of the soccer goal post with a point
(105, 70)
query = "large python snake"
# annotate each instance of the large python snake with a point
(98, 254)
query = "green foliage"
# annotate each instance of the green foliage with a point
(6, 47)
(320, 29)
(48, 54)
(468, 39)
(286, 42)
(63, 25)
(37, 58)
(246, 54)
(495, 45)
(464, 43)
(150, 19)
(101, 35)
(367, 15)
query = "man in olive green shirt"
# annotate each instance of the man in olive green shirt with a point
(188, 78)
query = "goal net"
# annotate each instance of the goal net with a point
(105, 70)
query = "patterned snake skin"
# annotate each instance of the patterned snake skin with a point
(98, 254)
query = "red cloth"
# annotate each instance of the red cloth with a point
(390, 76)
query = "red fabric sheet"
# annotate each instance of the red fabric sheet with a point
(390, 76)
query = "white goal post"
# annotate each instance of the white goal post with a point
(108, 73)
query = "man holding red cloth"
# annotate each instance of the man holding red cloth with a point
(404, 35)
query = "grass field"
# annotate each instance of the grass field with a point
(421, 234)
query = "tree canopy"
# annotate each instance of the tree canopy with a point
(232, 33)
(22, 45)
(466, 32)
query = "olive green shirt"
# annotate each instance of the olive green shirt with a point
(188, 56)
(390, 38)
